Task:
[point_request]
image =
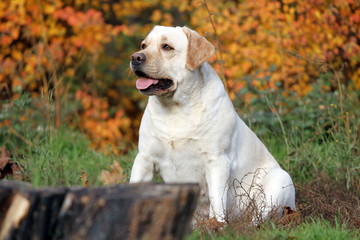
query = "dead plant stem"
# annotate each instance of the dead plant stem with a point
(275, 112)
(222, 63)
(16, 133)
(55, 78)
(344, 118)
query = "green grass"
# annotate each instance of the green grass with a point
(58, 161)
(309, 136)
(311, 230)
(50, 157)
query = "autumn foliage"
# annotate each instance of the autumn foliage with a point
(292, 42)
(40, 39)
(79, 51)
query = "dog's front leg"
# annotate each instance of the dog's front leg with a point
(217, 175)
(142, 170)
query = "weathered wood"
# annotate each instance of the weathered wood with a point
(137, 211)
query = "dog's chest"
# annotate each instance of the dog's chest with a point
(183, 149)
(184, 160)
(182, 141)
(177, 124)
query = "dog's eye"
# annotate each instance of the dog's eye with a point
(167, 47)
(143, 46)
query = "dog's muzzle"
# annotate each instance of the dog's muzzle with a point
(147, 84)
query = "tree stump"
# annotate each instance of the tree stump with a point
(135, 211)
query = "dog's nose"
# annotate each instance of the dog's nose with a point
(138, 58)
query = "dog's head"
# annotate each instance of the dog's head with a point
(166, 57)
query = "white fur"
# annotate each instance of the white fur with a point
(193, 134)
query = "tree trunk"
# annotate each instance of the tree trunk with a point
(136, 211)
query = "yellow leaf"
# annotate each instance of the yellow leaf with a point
(70, 72)
(156, 16)
(16, 55)
(49, 8)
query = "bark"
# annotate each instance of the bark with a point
(136, 211)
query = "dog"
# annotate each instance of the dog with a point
(190, 131)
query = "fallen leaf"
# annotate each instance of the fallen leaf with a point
(83, 178)
(8, 166)
(114, 176)
(214, 225)
(4, 158)
(290, 216)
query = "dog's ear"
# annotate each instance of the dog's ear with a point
(199, 49)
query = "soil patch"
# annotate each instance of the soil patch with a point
(329, 200)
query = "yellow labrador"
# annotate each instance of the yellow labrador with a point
(190, 131)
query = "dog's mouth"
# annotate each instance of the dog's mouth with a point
(150, 86)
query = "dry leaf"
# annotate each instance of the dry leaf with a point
(83, 178)
(214, 225)
(290, 216)
(8, 166)
(114, 176)
(4, 158)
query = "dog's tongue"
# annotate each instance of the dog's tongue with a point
(144, 83)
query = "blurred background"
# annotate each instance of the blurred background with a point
(291, 68)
